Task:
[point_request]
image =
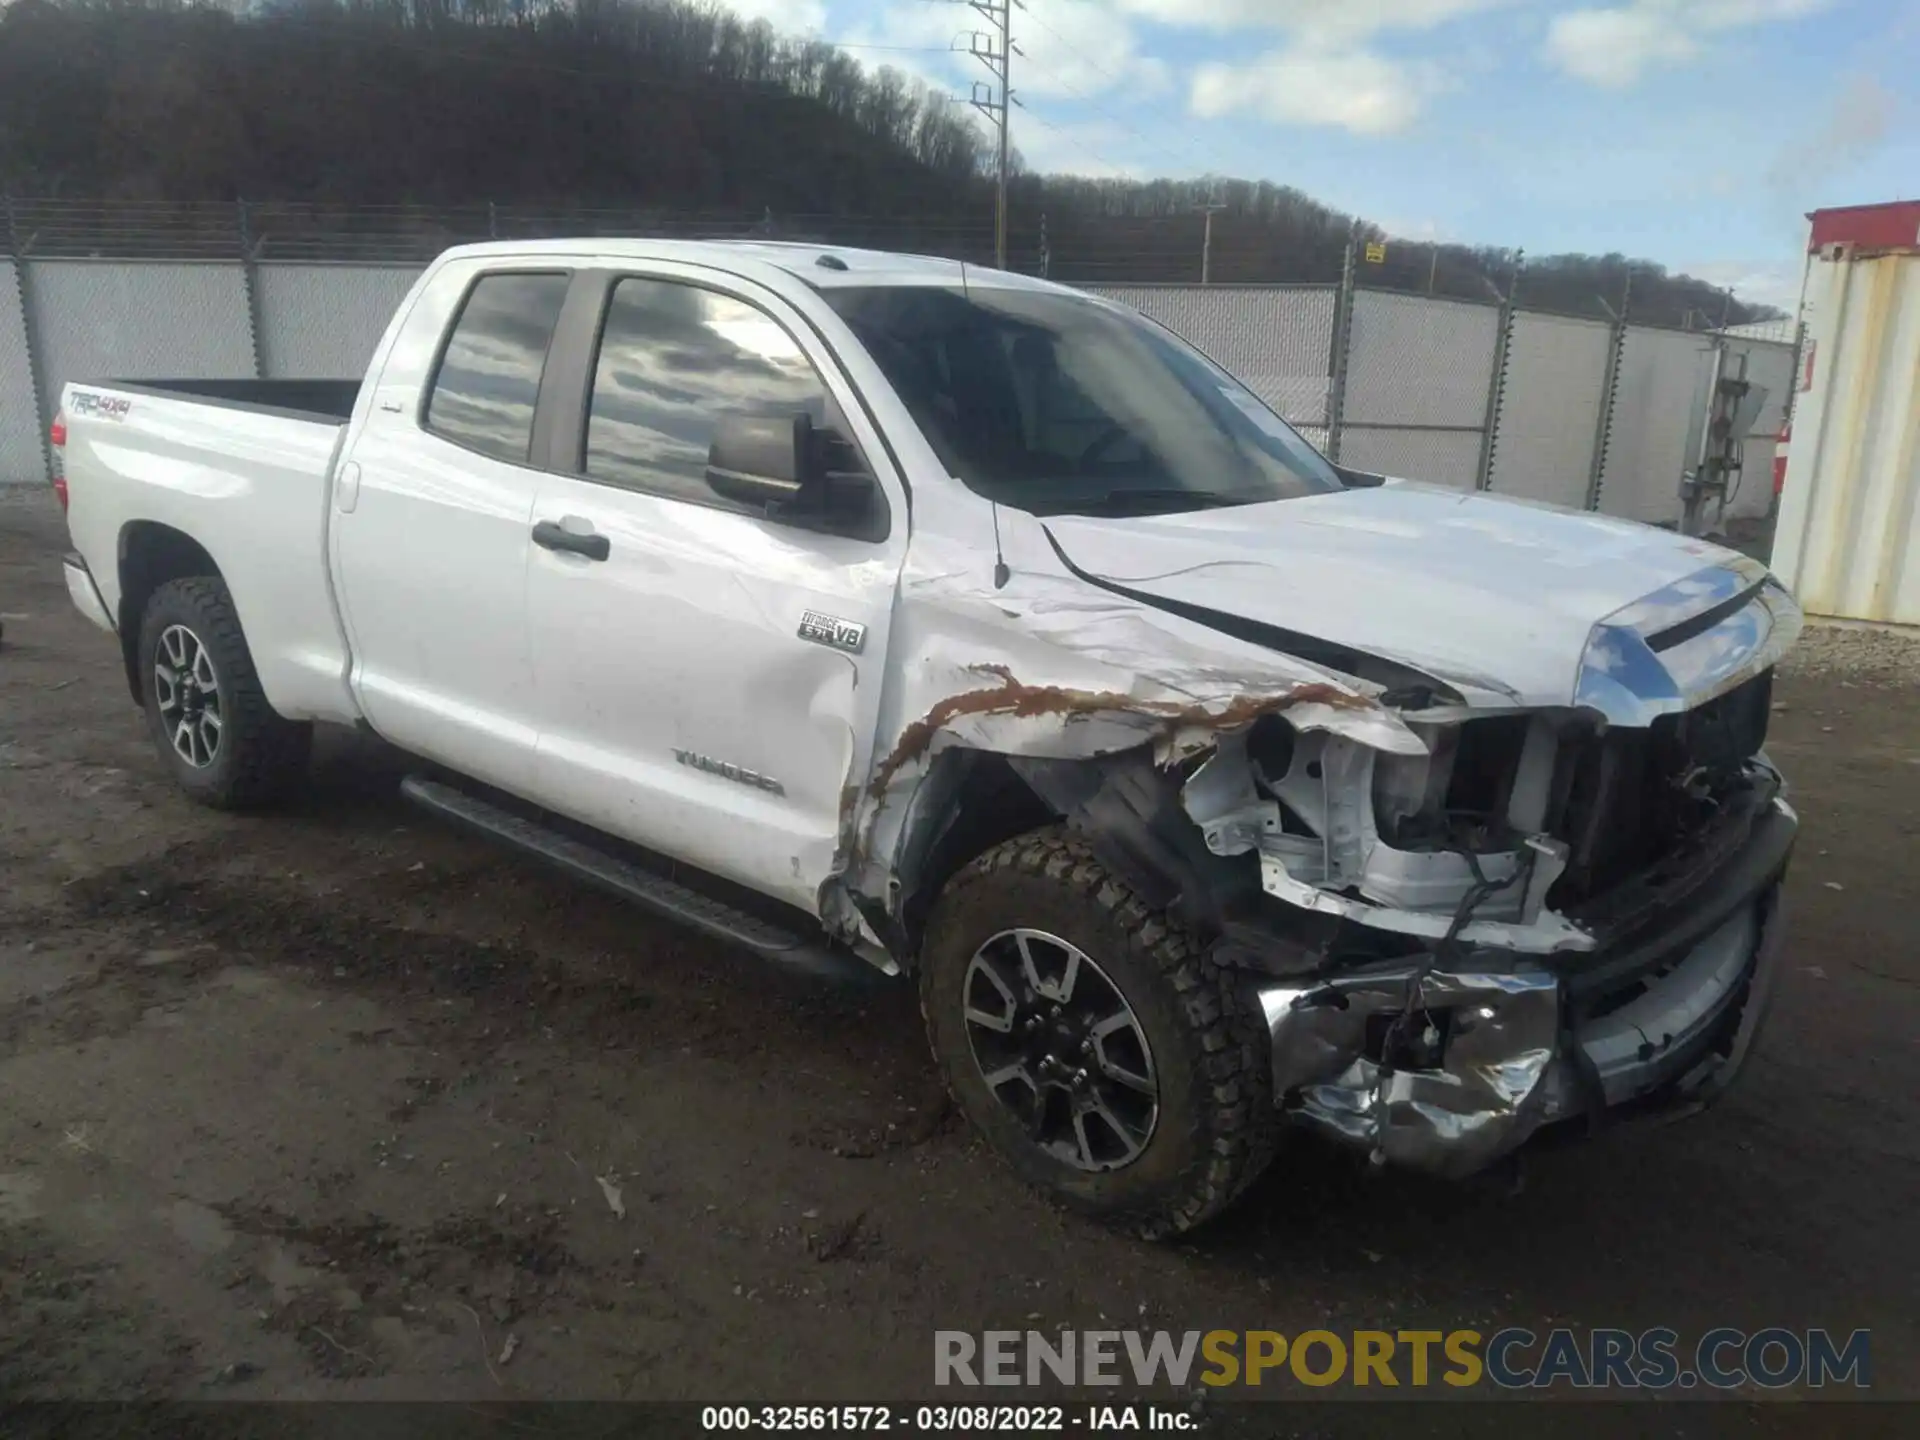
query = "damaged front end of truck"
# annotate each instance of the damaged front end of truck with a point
(1465, 916)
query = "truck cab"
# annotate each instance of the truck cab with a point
(861, 606)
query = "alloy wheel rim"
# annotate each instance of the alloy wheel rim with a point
(1060, 1049)
(187, 690)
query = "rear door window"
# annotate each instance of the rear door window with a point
(488, 384)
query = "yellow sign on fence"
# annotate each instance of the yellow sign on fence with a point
(1376, 252)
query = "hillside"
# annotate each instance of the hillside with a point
(653, 107)
(662, 103)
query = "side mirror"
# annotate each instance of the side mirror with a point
(761, 459)
(797, 475)
(1358, 479)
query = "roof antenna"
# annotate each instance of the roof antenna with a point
(1001, 574)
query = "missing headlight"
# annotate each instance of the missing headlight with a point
(1460, 794)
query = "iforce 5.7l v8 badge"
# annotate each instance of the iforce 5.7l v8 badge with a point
(832, 631)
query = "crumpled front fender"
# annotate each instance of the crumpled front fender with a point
(1051, 668)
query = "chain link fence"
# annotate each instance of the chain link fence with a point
(132, 321)
(322, 321)
(1655, 400)
(1466, 393)
(1556, 370)
(21, 431)
(1419, 378)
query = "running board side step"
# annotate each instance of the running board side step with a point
(643, 887)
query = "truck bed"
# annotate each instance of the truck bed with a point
(323, 400)
(243, 470)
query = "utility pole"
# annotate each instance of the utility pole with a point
(995, 50)
(1206, 244)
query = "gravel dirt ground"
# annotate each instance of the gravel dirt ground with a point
(340, 1104)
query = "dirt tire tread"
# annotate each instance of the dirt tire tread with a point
(269, 756)
(1240, 1127)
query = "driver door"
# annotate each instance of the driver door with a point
(707, 678)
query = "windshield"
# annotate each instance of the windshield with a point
(1063, 404)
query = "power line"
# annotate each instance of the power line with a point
(1077, 93)
(1099, 110)
(999, 110)
(1073, 140)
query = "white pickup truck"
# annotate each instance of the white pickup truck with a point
(857, 607)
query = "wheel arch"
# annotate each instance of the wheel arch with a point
(1125, 809)
(150, 554)
(968, 802)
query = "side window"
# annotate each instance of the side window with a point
(673, 359)
(489, 378)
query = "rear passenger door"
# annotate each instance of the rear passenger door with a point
(432, 510)
(708, 677)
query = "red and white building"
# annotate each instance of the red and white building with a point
(1848, 537)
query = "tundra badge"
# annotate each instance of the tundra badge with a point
(832, 631)
(727, 770)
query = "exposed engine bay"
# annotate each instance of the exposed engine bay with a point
(1540, 818)
(1512, 859)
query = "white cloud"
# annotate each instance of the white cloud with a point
(1615, 46)
(1321, 19)
(1068, 48)
(1080, 45)
(1326, 73)
(789, 17)
(1314, 84)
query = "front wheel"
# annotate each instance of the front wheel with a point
(1092, 1042)
(209, 717)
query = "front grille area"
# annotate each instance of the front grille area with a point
(1628, 799)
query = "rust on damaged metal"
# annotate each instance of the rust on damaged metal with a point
(1023, 701)
(849, 801)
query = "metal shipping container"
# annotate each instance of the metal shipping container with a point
(1847, 542)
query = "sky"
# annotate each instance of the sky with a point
(1695, 133)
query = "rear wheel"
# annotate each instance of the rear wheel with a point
(1091, 1041)
(209, 717)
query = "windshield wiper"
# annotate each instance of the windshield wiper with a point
(1165, 499)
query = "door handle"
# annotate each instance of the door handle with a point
(590, 543)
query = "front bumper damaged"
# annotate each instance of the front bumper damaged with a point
(1658, 1022)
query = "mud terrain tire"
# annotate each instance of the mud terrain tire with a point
(194, 662)
(1213, 1127)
